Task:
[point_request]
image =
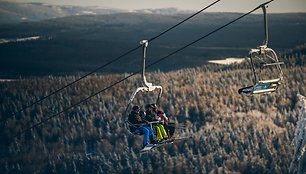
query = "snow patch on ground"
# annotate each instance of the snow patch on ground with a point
(227, 61)
(2, 41)
(89, 13)
(7, 80)
(27, 39)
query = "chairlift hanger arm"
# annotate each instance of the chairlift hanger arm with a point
(264, 9)
(145, 44)
(148, 87)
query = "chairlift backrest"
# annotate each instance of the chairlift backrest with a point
(265, 65)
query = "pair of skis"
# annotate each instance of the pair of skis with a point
(150, 147)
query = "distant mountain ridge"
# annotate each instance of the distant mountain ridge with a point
(12, 12)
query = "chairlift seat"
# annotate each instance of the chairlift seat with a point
(265, 86)
(137, 132)
(132, 128)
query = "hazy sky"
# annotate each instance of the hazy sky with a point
(277, 6)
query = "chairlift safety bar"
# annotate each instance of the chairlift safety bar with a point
(271, 64)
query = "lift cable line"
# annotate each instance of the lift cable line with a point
(156, 62)
(174, 26)
(112, 61)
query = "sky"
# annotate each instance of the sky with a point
(277, 6)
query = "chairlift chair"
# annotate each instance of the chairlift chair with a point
(267, 72)
(148, 87)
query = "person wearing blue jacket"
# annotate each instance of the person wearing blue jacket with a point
(139, 125)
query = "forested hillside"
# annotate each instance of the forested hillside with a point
(231, 133)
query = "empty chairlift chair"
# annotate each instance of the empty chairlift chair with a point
(267, 72)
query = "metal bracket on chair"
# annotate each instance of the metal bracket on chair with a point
(146, 89)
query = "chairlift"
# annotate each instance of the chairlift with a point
(147, 87)
(267, 72)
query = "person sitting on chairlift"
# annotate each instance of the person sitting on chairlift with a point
(139, 126)
(151, 116)
(161, 116)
